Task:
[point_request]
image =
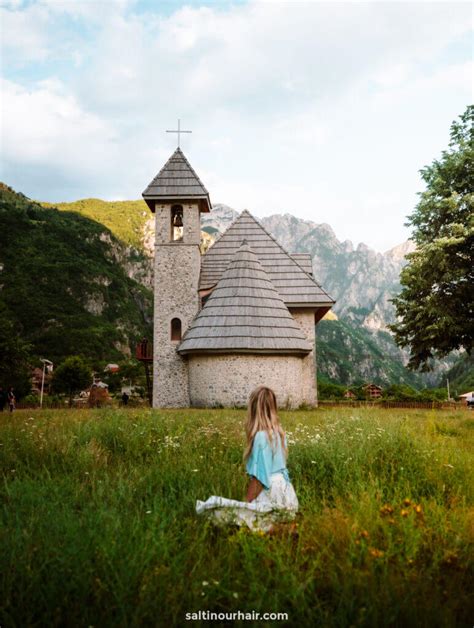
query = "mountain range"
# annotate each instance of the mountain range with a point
(354, 344)
(115, 241)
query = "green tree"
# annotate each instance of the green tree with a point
(327, 390)
(435, 308)
(433, 394)
(71, 376)
(400, 392)
(14, 357)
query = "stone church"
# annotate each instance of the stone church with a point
(241, 315)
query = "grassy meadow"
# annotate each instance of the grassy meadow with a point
(98, 525)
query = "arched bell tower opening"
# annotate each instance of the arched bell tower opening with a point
(177, 225)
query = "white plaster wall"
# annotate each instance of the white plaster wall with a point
(228, 380)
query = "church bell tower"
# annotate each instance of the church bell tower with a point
(177, 197)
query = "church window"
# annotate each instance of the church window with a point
(177, 223)
(175, 329)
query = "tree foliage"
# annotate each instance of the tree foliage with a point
(72, 376)
(436, 305)
(65, 283)
(14, 357)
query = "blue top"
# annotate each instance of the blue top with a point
(263, 461)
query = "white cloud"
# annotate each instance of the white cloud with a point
(48, 29)
(327, 110)
(24, 34)
(47, 125)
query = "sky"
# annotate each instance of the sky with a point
(324, 110)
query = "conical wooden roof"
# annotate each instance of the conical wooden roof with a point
(177, 181)
(296, 286)
(244, 314)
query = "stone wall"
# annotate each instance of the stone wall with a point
(177, 268)
(228, 380)
(305, 319)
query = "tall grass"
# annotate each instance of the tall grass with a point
(98, 526)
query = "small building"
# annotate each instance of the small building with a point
(372, 391)
(349, 394)
(467, 398)
(98, 394)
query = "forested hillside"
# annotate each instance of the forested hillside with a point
(68, 284)
(350, 355)
(461, 375)
(125, 219)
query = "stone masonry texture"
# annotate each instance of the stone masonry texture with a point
(177, 267)
(227, 380)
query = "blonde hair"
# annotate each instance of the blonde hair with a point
(262, 415)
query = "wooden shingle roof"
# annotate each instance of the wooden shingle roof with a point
(177, 181)
(304, 260)
(289, 276)
(244, 314)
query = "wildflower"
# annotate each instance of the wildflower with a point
(404, 512)
(386, 510)
(451, 558)
(148, 512)
(406, 502)
(236, 595)
(375, 553)
(205, 583)
(418, 509)
(364, 534)
(195, 470)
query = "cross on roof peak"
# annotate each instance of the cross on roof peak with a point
(178, 131)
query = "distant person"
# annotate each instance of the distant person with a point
(11, 398)
(3, 399)
(271, 497)
(125, 398)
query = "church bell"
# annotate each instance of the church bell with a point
(178, 217)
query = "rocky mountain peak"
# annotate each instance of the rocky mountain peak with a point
(398, 253)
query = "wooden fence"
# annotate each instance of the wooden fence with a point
(421, 405)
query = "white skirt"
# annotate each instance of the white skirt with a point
(276, 504)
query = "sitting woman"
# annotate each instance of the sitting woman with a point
(271, 497)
